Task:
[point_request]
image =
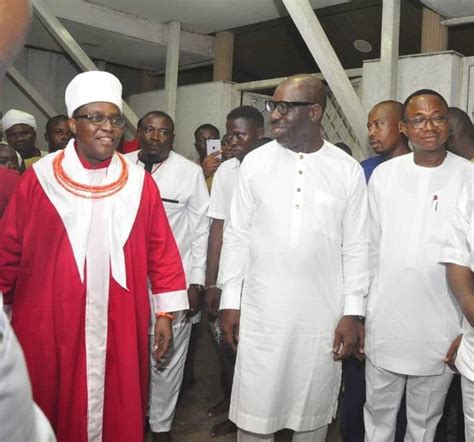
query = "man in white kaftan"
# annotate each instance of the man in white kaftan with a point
(244, 132)
(297, 235)
(186, 200)
(458, 253)
(412, 318)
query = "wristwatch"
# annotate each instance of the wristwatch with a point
(198, 286)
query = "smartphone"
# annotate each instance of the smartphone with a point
(213, 146)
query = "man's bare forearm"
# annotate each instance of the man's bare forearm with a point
(214, 250)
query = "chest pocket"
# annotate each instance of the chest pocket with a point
(173, 208)
(327, 215)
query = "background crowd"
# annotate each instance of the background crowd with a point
(309, 266)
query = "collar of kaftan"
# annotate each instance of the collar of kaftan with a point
(76, 212)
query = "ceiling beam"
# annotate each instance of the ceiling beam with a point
(67, 42)
(183, 67)
(341, 8)
(274, 82)
(323, 53)
(458, 21)
(130, 26)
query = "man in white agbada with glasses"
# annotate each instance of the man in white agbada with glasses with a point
(296, 238)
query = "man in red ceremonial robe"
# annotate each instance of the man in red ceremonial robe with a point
(83, 237)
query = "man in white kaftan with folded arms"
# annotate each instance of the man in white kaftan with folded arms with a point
(296, 238)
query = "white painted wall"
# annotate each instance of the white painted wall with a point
(196, 104)
(442, 72)
(51, 72)
(466, 100)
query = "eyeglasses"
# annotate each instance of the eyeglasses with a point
(99, 119)
(283, 107)
(420, 122)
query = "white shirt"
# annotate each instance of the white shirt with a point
(223, 186)
(412, 318)
(186, 200)
(459, 249)
(297, 234)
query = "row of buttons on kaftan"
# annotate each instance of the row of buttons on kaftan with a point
(298, 201)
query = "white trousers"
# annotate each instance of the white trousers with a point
(425, 397)
(318, 435)
(166, 378)
(468, 407)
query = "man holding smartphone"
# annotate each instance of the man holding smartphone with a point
(208, 161)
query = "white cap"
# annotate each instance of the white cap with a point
(91, 87)
(14, 116)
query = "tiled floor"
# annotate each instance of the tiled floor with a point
(191, 422)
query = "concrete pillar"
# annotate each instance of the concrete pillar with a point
(434, 35)
(389, 49)
(172, 67)
(223, 56)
